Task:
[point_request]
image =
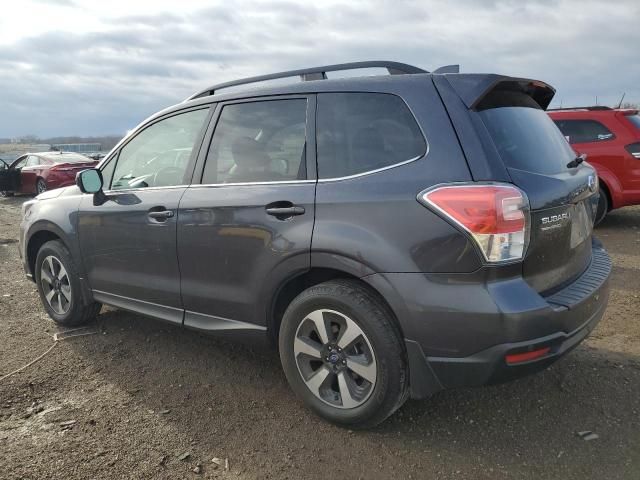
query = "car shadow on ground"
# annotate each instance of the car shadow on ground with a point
(242, 392)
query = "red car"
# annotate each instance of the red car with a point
(37, 172)
(610, 137)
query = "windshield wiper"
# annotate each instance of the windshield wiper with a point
(577, 161)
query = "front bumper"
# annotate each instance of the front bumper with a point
(465, 344)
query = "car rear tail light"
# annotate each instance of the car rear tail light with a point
(495, 215)
(634, 149)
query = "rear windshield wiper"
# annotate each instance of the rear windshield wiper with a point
(577, 161)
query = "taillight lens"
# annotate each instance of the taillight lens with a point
(634, 149)
(495, 215)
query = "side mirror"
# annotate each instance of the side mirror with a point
(89, 181)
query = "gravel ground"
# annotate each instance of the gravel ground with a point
(141, 399)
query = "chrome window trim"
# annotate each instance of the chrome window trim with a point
(145, 189)
(243, 184)
(370, 172)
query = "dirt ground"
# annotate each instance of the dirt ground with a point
(141, 399)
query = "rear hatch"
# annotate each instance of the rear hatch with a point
(537, 158)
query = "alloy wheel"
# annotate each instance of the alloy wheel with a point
(335, 359)
(55, 285)
(41, 186)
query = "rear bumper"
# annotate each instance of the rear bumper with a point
(484, 322)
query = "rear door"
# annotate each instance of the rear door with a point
(537, 158)
(245, 223)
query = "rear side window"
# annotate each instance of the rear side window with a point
(584, 131)
(526, 138)
(635, 120)
(258, 142)
(361, 132)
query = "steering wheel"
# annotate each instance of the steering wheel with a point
(167, 176)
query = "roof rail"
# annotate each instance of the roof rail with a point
(314, 73)
(593, 108)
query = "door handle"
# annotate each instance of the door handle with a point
(161, 215)
(283, 210)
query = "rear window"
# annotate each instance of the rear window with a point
(584, 131)
(526, 138)
(68, 158)
(635, 119)
(362, 132)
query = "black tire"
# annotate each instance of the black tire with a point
(41, 186)
(603, 207)
(366, 309)
(76, 312)
(6, 194)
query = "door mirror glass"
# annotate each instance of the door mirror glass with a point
(89, 181)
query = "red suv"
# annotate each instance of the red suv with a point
(610, 137)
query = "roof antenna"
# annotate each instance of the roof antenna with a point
(620, 104)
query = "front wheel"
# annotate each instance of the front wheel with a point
(343, 354)
(59, 287)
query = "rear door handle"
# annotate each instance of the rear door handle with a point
(161, 215)
(285, 212)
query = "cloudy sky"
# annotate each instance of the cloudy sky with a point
(85, 67)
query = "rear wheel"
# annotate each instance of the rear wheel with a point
(41, 186)
(343, 355)
(59, 287)
(603, 206)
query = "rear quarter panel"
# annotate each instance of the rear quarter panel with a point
(374, 223)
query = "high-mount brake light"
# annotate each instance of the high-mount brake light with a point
(495, 215)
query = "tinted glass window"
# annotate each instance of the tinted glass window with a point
(258, 142)
(584, 131)
(635, 119)
(361, 132)
(158, 156)
(527, 139)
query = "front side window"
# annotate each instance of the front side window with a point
(258, 142)
(21, 163)
(159, 155)
(361, 132)
(584, 131)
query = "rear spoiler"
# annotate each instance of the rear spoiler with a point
(472, 88)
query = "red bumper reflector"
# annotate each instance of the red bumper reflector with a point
(526, 356)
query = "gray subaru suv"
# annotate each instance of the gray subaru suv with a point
(393, 235)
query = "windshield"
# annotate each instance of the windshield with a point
(527, 139)
(635, 119)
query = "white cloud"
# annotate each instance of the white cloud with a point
(83, 67)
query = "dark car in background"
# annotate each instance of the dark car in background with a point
(610, 138)
(393, 235)
(35, 173)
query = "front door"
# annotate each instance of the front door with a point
(30, 175)
(247, 226)
(128, 243)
